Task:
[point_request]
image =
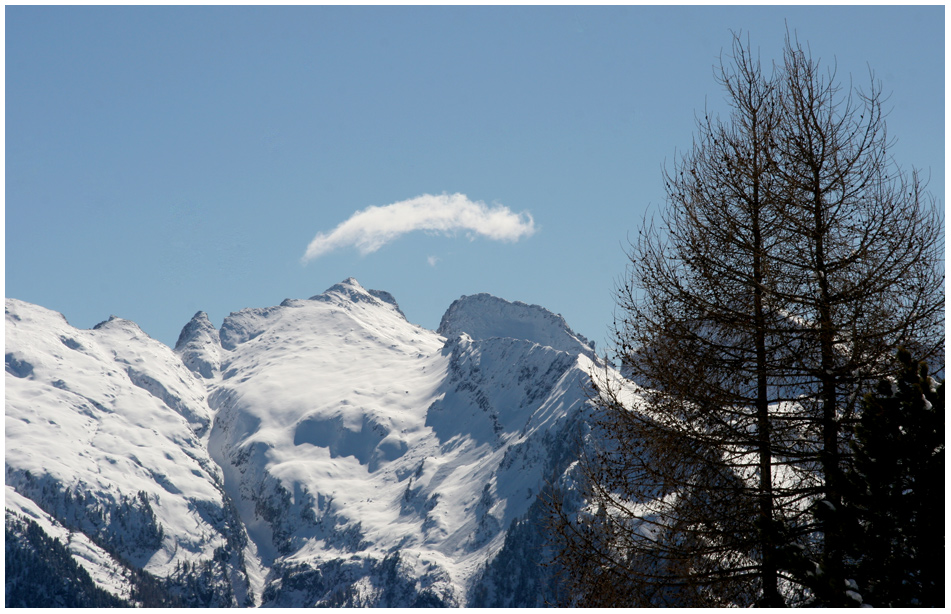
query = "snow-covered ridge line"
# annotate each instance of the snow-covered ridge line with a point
(324, 451)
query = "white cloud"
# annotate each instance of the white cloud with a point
(368, 230)
(432, 260)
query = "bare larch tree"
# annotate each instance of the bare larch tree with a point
(791, 261)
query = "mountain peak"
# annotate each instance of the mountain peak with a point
(483, 316)
(349, 282)
(199, 345)
(115, 323)
(350, 290)
(198, 324)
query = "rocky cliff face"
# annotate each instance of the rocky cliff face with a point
(320, 452)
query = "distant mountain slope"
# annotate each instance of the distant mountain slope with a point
(320, 452)
(106, 432)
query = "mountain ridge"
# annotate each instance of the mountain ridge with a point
(346, 456)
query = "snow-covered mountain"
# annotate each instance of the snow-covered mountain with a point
(321, 452)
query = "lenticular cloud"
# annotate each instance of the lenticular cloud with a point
(368, 230)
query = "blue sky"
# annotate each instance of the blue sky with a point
(165, 160)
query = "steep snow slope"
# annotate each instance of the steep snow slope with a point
(106, 431)
(320, 452)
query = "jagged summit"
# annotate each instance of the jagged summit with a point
(198, 327)
(483, 316)
(200, 346)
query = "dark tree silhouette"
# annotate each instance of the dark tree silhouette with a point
(894, 494)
